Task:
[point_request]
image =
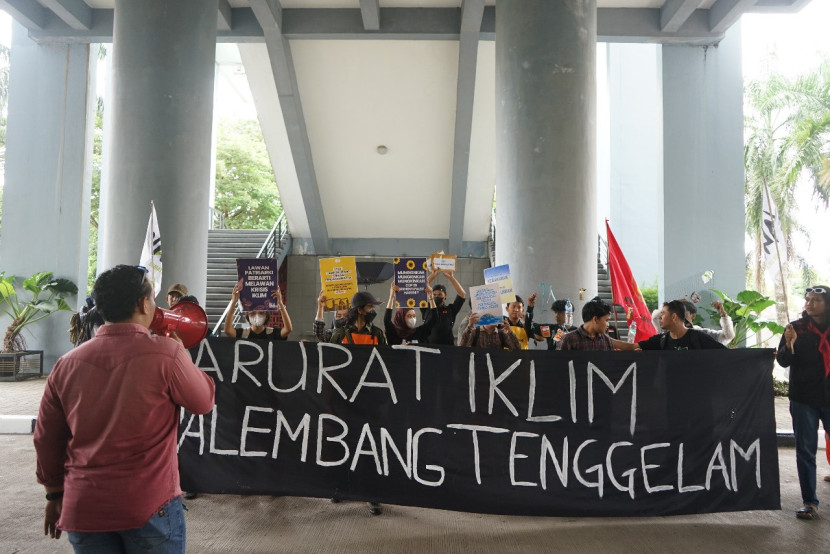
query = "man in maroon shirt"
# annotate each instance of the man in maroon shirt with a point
(106, 432)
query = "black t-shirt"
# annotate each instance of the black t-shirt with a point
(269, 333)
(442, 330)
(692, 340)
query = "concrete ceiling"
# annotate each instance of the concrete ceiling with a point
(385, 109)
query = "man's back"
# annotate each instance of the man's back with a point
(109, 417)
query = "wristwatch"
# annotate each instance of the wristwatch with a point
(54, 495)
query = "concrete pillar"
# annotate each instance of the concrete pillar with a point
(162, 109)
(701, 224)
(546, 145)
(48, 173)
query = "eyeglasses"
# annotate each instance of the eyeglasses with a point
(817, 290)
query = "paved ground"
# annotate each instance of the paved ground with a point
(225, 523)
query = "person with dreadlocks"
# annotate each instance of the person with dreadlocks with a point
(805, 349)
(84, 324)
(402, 327)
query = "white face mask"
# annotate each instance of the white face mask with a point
(257, 320)
(410, 322)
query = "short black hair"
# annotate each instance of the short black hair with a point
(676, 307)
(690, 308)
(188, 298)
(595, 308)
(518, 299)
(559, 306)
(117, 292)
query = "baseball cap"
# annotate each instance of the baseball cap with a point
(440, 287)
(363, 298)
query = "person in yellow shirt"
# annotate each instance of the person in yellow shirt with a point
(520, 321)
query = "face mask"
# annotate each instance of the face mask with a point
(439, 300)
(410, 322)
(257, 320)
(339, 322)
(370, 316)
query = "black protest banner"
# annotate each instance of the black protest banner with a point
(534, 432)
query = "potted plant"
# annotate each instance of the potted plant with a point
(745, 311)
(45, 295)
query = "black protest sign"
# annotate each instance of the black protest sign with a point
(534, 432)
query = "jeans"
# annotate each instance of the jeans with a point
(805, 429)
(164, 533)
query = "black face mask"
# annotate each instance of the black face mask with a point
(339, 322)
(369, 317)
(439, 300)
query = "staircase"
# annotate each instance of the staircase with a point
(618, 312)
(224, 246)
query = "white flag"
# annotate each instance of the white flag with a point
(771, 238)
(151, 253)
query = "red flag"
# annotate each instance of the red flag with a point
(625, 290)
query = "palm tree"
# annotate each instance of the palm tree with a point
(787, 130)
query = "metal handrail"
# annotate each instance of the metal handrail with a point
(272, 245)
(491, 239)
(217, 218)
(602, 251)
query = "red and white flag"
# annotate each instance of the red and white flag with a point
(625, 290)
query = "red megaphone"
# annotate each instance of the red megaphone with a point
(187, 319)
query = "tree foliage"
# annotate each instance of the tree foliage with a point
(246, 191)
(787, 131)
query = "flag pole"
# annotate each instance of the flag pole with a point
(777, 250)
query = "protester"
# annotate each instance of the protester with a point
(498, 337)
(84, 324)
(677, 336)
(805, 349)
(521, 322)
(403, 328)
(257, 320)
(320, 331)
(591, 335)
(175, 294)
(552, 333)
(724, 335)
(106, 431)
(359, 328)
(446, 313)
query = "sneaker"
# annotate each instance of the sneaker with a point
(374, 508)
(191, 495)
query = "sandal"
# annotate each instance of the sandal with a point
(808, 511)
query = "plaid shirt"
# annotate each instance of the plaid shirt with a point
(579, 340)
(320, 331)
(497, 340)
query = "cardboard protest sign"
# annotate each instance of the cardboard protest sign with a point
(338, 278)
(411, 278)
(443, 261)
(536, 432)
(500, 275)
(486, 302)
(259, 280)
